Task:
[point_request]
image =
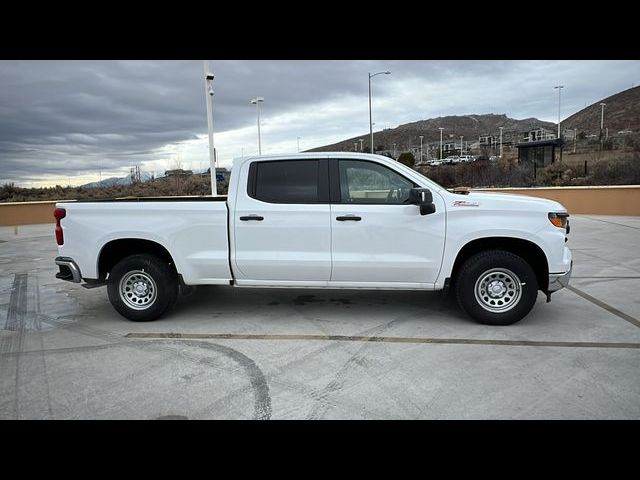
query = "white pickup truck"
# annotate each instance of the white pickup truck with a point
(320, 220)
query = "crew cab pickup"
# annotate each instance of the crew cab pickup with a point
(320, 220)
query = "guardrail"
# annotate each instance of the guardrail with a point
(594, 200)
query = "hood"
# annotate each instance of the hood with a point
(494, 200)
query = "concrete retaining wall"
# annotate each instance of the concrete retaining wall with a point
(599, 200)
(605, 200)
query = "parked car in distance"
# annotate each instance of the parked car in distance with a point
(436, 162)
(467, 158)
(493, 158)
(452, 159)
(319, 220)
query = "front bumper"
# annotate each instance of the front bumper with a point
(558, 281)
(69, 271)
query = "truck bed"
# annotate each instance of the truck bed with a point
(193, 229)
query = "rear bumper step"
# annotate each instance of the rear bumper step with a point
(69, 271)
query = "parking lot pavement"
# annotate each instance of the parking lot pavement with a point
(276, 353)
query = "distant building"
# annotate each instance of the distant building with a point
(539, 152)
(178, 172)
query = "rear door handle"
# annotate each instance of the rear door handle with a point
(346, 218)
(252, 217)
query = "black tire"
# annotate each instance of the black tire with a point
(508, 270)
(164, 283)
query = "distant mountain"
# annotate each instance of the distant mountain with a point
(622, 112)
(470, 126)
(107, 182)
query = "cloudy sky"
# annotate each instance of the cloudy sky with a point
(65, 121)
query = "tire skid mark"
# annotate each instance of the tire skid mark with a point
(15, 321)
(357, 359)
(257, 379)
(42, 357)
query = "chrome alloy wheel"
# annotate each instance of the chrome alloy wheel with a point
(498, 290)
(138, 290)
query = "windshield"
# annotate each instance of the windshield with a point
(427, 182)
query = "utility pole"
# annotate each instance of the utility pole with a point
(257, 101)
(208, 95)
(559, 88)
(602, 125)
(461, 137)
(370, 114)
(441, 129)
(500, 141)
(421, 137)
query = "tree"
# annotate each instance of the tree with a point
(407, 159)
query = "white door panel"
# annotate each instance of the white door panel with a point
(292, 242)
(392, 243)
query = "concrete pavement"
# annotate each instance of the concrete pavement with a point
(275, 353)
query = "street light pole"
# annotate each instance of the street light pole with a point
(421, 137)
(602, 124)
(208, 92)
(441, 129)
(501, 141)
(559, 87)
(370, 114)
(257, 101)
(461, 137)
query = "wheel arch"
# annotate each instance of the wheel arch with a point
(115, 250)
(526, 249)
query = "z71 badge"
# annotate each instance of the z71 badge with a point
(465, 203)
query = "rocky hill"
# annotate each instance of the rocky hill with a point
(622, 112)
(471, 126)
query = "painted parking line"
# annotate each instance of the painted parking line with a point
(385, 339)
(606, 306)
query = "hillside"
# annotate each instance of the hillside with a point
(622, 112)
(471, 126)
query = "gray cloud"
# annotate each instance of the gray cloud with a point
(60, 118)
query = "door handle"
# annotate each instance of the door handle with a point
(352, 218)
(252, 217)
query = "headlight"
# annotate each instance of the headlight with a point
(560, 220)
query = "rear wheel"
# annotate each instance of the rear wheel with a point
(142, 287)
(496, 287)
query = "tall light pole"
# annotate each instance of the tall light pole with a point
(257, 101)
(421, 137)
(461, 137)
(208, 93)
(602, 123)
(501, 141)
(370, 115)
(559, 87)
(441, 129)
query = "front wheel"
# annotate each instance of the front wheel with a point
(142, 287)
(496, 287)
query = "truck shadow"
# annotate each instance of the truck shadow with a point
(227, 302)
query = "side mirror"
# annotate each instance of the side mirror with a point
(423, 198)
